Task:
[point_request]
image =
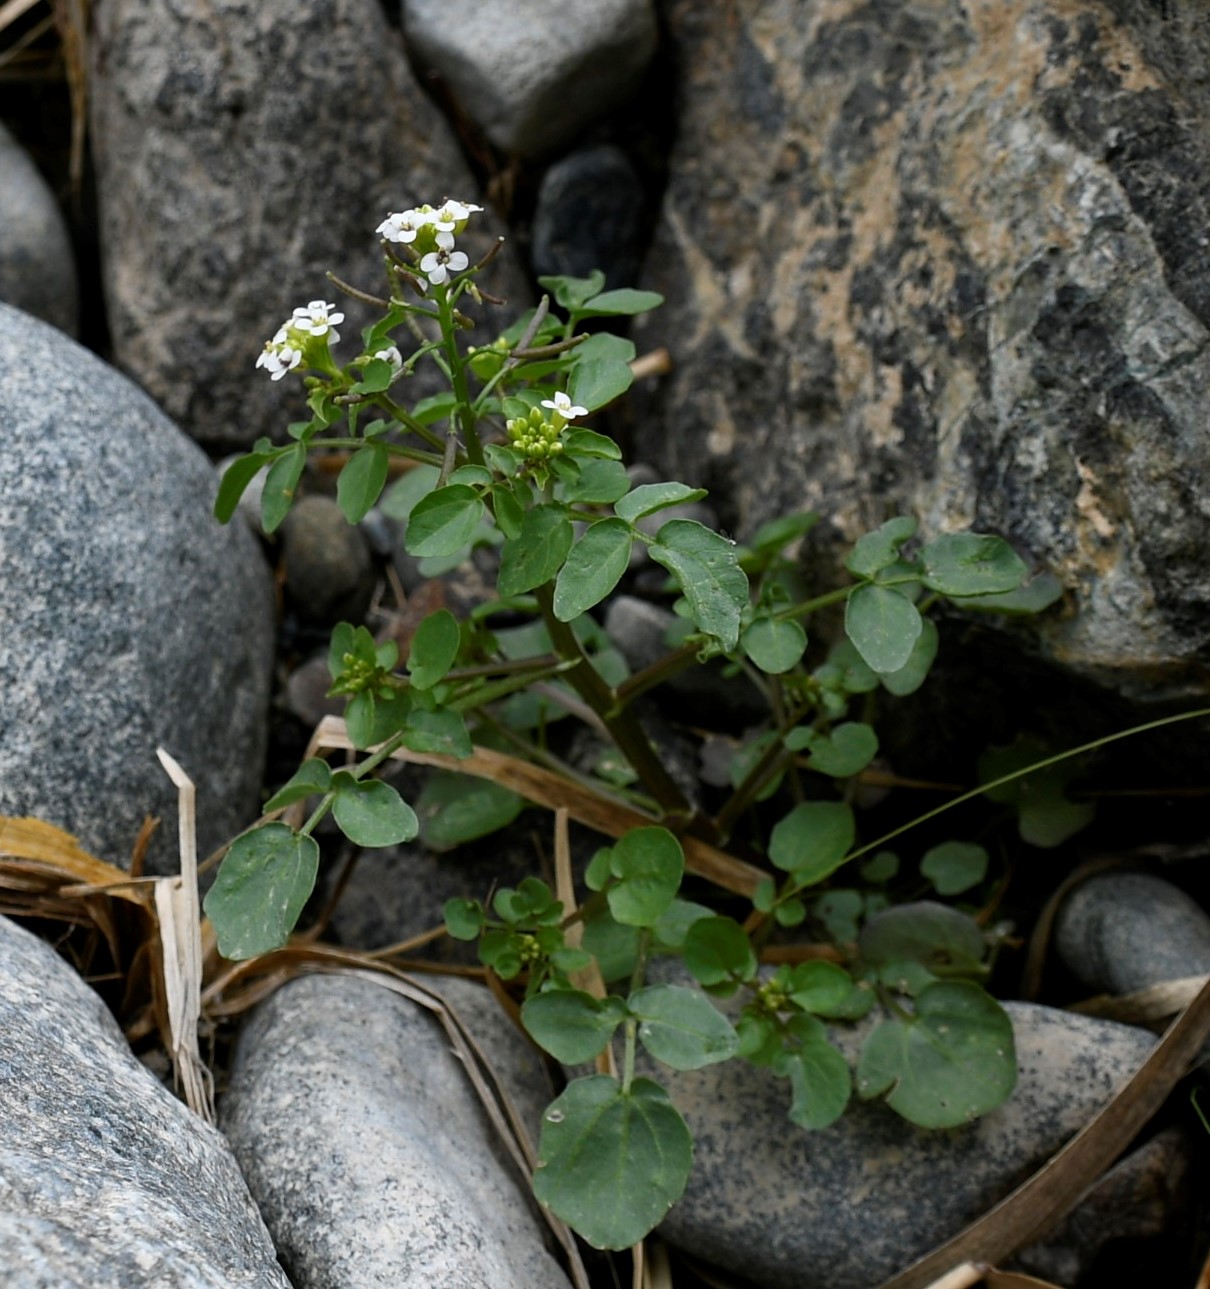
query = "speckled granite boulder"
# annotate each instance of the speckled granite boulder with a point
(531, 77)
(367, 1150)
(243, 149)
(1122, 931)
(37, 268)
(130, 618)
(951, 258)
(107, 1181)
(847, 1207)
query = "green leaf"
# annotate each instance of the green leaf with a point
(876, 551)
(821, 988)
(572, 1026)
(812, 840)
(443, 522)
(775, 646)
(588, 443)
(614, 946)
(955, 866)
(595, 382)
(572, 292)
(538, 553)
(463, 918)
(361, 481)
(371, 813)
(777, 533)
(612, 1163)
(619, 304)
(437, 407)
(850, 668)
(648, 864)
(681, 1028)
(456, 808)
(1045, 816)
(819, 1077)
(375, 377)
(311, 779)
(650, 497)
(717, 950)
(704, 564)
(434, 648)
(880, 867)
(950, 1063)
(839, 911)
(236, 478)
(971, 564)
(1038, 593)
(402, 497)
(883, 626)
(280, 485)
(510, 514)
(601, 481)
(913, 673)
(847, 750)
(265, 879)
(594, 567)
(442, 731)
(938, 937)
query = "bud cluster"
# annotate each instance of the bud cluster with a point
(534, 436)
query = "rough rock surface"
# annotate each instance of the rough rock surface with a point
(368, 1152)
(1122, 931)
(37, 268)
(130, 619)
(848, 1206)
(329, 573)
(107, 1181)
(532, 79)
(244, 148)
(950, 258)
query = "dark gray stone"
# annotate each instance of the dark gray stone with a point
(37, 266)
(1119, 932)
(107, 1181)
(589, 216)
(847, 1207)
(329, 573)
(529, 78)
(950, 259)
(244, 148)
(130, 618)
(368, 1152)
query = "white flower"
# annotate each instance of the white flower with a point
(317, 319)
(277, 357)
(439, 264)
(452, 214)
(403, 225)
(564, 406)
(390, 355)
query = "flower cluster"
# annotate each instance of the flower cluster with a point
(536, 436)
(430, 235)
(286, 350)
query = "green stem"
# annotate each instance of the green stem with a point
(457, 374)
(637, 978)
(623, 726)
(371, 763)
(395, 449)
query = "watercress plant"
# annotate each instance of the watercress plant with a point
(504, 457)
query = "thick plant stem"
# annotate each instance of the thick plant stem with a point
(466, 411)
(623, 726)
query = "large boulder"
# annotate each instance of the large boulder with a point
(107, 1181)
(130, 618)
(244, 148)
(950, 259)
(366, 1148)
(37, 267)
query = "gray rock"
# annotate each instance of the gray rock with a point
(850, 1205)
(950, 260)
(107, 1181)
(37, 266)
(130, 617)
(532, 80)
(329, 573)
(306, 692)
(1121, 931)
(368, 1152)
(589, 215)
(243, 150)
